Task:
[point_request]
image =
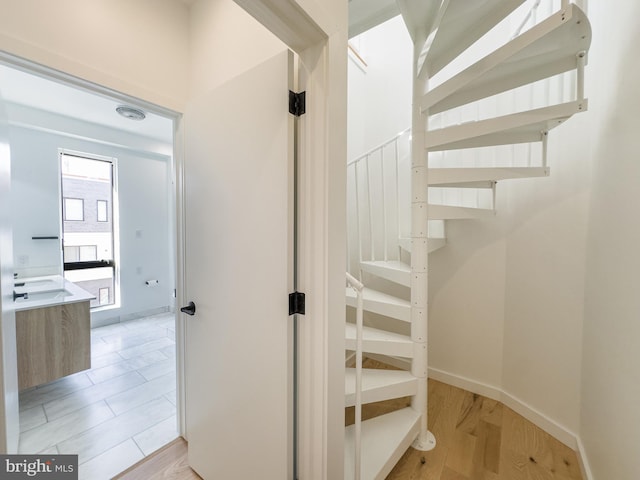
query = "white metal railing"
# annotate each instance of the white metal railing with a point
(358, 286)
(375, 190)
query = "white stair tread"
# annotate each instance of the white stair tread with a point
(379, 385)
(460, 177)
(379, 341)
(547, 49)
(393, 270)
(384, 440)
(462, 23)
(433, 244)
(520, 127)
(449, 212)
(381, 303)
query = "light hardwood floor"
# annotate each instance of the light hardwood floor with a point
(168, 463)
(477, 439)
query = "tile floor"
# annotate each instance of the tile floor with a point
(118, 412)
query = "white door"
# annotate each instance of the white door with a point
(8, 359)
(238, 188)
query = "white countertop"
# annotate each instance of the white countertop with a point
(48, 291)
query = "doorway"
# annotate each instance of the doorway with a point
(124, 407)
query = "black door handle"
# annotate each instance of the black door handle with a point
(189, 309)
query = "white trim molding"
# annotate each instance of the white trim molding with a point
(585, 468)
(553, 428)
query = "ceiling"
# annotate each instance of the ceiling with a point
(34, 91)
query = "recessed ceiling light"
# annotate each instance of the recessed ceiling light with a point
(131, 113)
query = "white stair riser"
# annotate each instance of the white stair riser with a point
(399, 312)
(393, 274)
(385, 385)
(447, 212)
(468, 176)
(383, 347)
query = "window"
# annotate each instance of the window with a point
(103, 216)
(81, 253)
(103, 296)
(73, 209)
(88, 249)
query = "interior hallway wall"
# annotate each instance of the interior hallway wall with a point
(379, 100)
(140, 47)
(611, 370)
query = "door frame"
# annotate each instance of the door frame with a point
(64, 78)
(318, 34)
(320, 40)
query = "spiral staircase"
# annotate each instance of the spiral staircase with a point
(391, 263)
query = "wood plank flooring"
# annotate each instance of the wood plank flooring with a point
(477, 439)
(168, 463)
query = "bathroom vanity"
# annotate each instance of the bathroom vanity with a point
(53, 329)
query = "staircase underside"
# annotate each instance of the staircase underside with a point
(481, 177)
(459, 26)
(522, 127)
(366, 14)
(548, 49)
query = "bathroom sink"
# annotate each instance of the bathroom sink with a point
(35, 283)
(50, 295)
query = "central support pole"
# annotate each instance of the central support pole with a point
(419, 250)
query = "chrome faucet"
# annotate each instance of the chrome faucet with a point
(16, 296)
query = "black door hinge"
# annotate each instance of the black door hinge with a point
(296, 303)
(297, 103)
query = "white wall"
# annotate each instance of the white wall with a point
(215, 24)
(379, 104)
(139, 47)
(611, 370)
(144, 208)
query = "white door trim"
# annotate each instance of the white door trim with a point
(177, 192)
(320, 40)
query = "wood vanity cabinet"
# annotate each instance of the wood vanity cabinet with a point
(52, 342)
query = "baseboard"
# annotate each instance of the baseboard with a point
(550, 426)
(464, 383)
(584, 461)
(539, 419)
(103, 322)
